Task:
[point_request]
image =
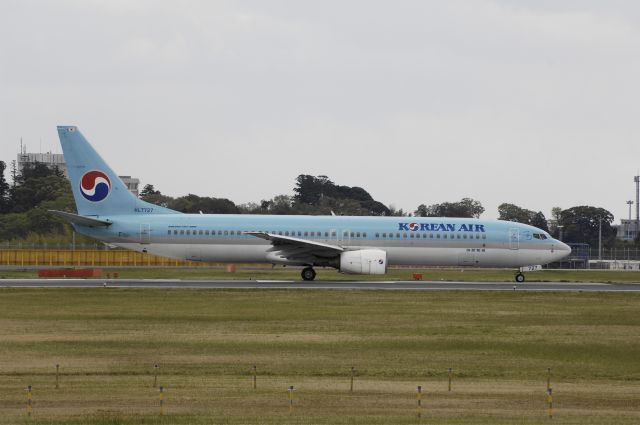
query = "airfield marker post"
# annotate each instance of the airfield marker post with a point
(255, 377)
(548, 378)
(290, 399)
(353, 371)
(161, 400)
(57, 375)
(550, 401)
(29, 400)
(155, 375)
(450, 372)
(419, 399)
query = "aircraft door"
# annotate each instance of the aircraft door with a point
(333, 236)
(514, 238)
(145, 233)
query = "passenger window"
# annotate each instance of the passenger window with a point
(444, 236)
(398, 235)
(226, 232)
(412, 235)
(182, 232)
(404, 235)
(168, 232)
(345, 234)
(418, 235)
(219, 232)
(286, 233)
(206, 232)
(175, 232)
(280, 233)
(377, 235)
(200, 232)
(438, 236)
(484, 236)
(431, 235)
(364, 235)
(333, 234)
(458, 235)
(464, 236)
(477, 236)
(232, 233)
(358, 234)
(384, 235)
(188, 232)
(353, 234)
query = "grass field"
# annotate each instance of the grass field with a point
(206, 341)
(433, 274)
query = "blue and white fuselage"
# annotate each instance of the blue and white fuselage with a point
(109, 212)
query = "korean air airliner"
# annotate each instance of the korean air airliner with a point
(107, 211)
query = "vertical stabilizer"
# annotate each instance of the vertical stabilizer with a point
(97, 190)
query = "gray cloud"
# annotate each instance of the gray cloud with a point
(524, 102)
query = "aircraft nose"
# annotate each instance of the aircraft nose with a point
(563, 249)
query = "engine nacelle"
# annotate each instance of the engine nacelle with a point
(364, 261)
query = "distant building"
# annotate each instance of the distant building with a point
(49, 159)
(627, 230)
(132, 184)
(57, 160)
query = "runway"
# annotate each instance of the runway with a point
(325, 285)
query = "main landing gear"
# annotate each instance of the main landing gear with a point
(308, 274)
(519, 278)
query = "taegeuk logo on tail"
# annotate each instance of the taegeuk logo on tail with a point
(95, 186)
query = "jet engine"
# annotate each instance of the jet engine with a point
(364, 261)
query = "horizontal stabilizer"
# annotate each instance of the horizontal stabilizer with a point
(81, 220)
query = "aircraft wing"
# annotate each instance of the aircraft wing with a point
(298, 250)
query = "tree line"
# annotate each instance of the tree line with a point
(37, 188)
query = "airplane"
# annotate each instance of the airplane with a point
(109, 212)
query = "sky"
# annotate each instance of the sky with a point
(527, 102)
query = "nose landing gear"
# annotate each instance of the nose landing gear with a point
(308, 274)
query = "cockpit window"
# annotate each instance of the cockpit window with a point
(540, 236)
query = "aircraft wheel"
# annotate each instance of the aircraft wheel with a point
(308, 274)
(519, 278)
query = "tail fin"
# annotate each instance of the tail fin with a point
(97, 190)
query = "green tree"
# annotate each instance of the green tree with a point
(512, 212)
(195, 204)
(148, 190)
(5, 202)
(153, 196)
(13, 226)
(35, 184)
(310, 189)
(582, 224)
(325, 196)
(540, 221)
(281, 205)
(466, 207)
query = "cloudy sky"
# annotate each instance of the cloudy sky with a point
(530, 102)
